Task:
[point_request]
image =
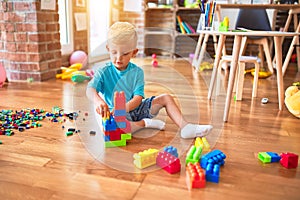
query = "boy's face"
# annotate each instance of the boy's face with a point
(120, 55)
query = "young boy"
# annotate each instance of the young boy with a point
(122, 75)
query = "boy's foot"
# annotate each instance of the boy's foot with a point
(195, 130)
(154, 123)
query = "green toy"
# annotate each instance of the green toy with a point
(79, 78)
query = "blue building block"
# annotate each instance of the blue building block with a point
(274, 157)
(172, 150)
(109, 124)
(213, 173)
(120, 113)
(106, 138)
(214, 157)
(121, 124)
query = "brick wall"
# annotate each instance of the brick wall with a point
(30, 40)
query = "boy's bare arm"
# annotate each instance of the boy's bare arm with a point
(101, 106)
(133, 103)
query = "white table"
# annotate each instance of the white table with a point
(238, 35)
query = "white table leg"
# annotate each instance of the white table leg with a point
(197, 51)
(233, 68)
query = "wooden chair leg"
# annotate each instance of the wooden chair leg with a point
(255, 80)
(268, 54)
(240, 81)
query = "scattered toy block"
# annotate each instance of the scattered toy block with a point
(118, 143)
(268, 157)
(145, 158)
(193, 155)
(289, 160)
(202, 142)
(195, 176)
(168, 162)
(172, 150)
(212, 173)
(214, 157)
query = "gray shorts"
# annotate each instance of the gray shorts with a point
(141, 112)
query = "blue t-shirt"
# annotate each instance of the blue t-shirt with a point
(109, 79)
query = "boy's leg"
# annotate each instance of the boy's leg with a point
(187, 130)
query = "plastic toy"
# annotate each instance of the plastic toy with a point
(224, 25)
(289, 160)
(212, 173)
(79, 78)
(2, 75)
(202, 142)
(68, 72)
(214, 157)
(268, 157)
(79, 57)
(154, 61)
(292, 99)
(195, 176)
(168, 162)
(145, 158)
(193, 155)
(114, 134)
(172, 150)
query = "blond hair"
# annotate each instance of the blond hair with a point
(122, 33)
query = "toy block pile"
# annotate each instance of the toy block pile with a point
(201, 168)
(287, 160)
(167, 159)
(116, 127)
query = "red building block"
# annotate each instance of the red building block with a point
(195, 176)
(168, 162)
(120, 101)
(289, 160)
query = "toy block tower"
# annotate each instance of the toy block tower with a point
(116, 128)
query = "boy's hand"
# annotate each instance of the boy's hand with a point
(103, 110)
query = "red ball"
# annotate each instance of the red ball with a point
(154, 56)
(154, 63)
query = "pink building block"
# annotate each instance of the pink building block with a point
(168, 162)
(289, 160)
(120, 101)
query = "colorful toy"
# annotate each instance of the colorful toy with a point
(116, 128)
(2, 75)
(172, 150)
(214, 157)
(289, 160)
(193, 155)
(145, 158)
(68, 72)
(195, 176)
(154, 61)
(202, 142)
(292, 99)
(224, 25)
(268, 157)
(79, 57)
(79, 78)
(212, 172)
(168, 162)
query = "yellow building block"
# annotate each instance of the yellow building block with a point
(202, 142)
(145, 158)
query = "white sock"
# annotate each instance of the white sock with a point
(195, 130)
(154, 123)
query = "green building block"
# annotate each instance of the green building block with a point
(69, 133)
(264, 157)
(193, 155)
(119, 143)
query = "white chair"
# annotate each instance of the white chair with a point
(239, 83)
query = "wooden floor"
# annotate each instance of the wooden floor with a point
(43, 163)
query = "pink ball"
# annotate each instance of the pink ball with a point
(79, 57)
(154, 63)
(154, 56)
(2, 75)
